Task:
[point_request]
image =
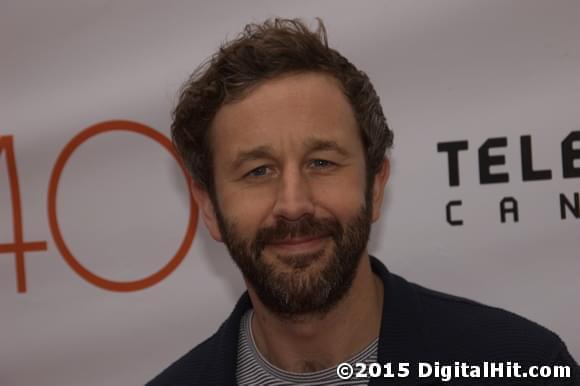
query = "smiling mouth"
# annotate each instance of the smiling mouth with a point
(296, 240)
(299, 243)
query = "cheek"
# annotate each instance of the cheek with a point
(248, 208)
(341, 198)
(341, 203)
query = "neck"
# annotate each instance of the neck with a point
(315, 342)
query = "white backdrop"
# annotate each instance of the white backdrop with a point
(445, 70)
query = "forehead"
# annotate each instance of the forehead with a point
(291, 109)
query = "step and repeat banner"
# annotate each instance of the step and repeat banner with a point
(106, 273)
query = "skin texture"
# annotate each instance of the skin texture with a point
(287, 152)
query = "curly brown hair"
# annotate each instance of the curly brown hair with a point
(261, 52)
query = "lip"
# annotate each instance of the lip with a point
(298, 244)
(295, 241)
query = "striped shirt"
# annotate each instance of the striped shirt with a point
(254, 369)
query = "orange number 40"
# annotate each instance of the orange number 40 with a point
(19, 247)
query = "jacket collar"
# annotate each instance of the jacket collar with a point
(402, 336)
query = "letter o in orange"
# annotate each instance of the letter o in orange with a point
(79, 139)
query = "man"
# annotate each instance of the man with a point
(286, 143)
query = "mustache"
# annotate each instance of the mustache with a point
(304, 227)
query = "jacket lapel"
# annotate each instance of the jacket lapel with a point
(402, 337)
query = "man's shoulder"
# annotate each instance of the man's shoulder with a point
(446, 311)
(187, 369)
(213, 361)
(468, 328)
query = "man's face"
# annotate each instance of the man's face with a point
(291, 201)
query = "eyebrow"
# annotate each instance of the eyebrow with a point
(259, 152)
(266, 151)
(314, 144)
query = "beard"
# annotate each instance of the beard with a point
(293, 285)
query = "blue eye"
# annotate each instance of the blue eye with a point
(321, 163)
(258, 172)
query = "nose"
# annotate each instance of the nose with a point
(294, 196)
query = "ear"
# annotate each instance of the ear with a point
(380, 181)
(207, 210)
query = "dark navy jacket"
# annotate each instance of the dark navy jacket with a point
(418, 325)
